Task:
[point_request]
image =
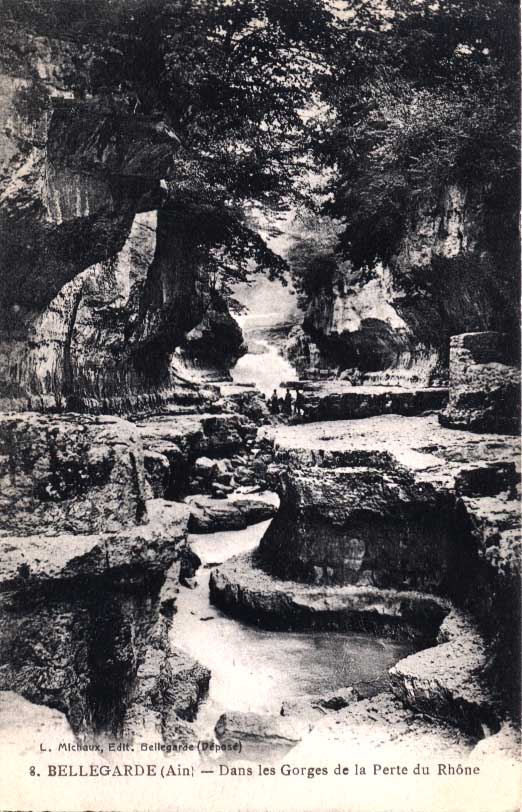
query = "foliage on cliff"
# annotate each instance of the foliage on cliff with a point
(422, 95)
(229, 79)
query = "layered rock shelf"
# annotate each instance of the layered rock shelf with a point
(339, 400)
(83, 583)
(484, 384)
(385, 524)
(242, 587)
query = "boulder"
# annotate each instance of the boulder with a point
(448, 681)
(242, 588)
(260, 734)
(315, 707)
(484, 393)
(209, 515)
(359, 525)
(69, 474)
(204, 467)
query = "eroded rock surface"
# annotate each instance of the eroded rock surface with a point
(449, 681)
(209, 515)
(242, 587)
(258, 733)
(484, 384)
(71, 474)
(339, 400)
(90, 234)
(191, 452)
(84, 560)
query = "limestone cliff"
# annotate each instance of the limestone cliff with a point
(90, 571)
(100, 276)
(397, 318)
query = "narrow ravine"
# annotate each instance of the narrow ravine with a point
(255, 670)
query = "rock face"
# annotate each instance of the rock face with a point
(84, 558)
(484, 384)
(357, 473)
(371, 523)
(382, 724)
(209, 515)
(395, 321)
(243, 588)
(215, 344)
(385, 504)
(89, 237)
(339, 400)
(69, 475)
(169, 684)
(185, 453)
(449, 681)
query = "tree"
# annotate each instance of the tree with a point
(421, 95)
(230, 78)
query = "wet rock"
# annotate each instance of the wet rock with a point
(448, 681)
(339, 400)
(339, 699)
(157, 472)
(315, 707)
(211, 515)
(69, 474)
(359, 524)
(259, 733)
(242, 588)
(484, 384)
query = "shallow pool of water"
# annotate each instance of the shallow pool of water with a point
(256, 670)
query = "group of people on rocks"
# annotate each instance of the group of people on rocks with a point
(287, 405)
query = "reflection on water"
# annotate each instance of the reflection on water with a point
(255, 670)
(264, 367)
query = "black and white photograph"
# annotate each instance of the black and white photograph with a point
(260, 524)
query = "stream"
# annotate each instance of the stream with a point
(255, 669)
(263, 366)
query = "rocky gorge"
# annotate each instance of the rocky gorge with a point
(184, 564)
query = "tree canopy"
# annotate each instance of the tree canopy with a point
(230, 78)
(420, 95)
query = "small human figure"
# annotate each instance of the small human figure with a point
(287, 405)
(274, 403)
(299, 403)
